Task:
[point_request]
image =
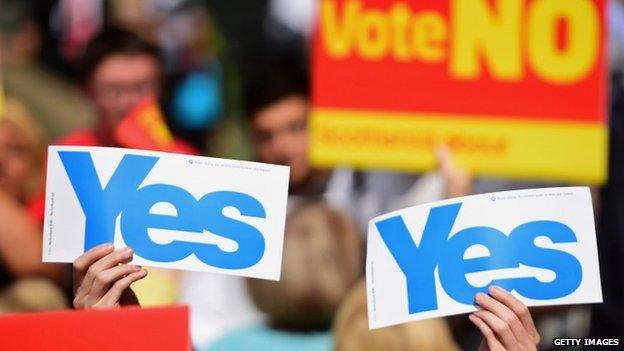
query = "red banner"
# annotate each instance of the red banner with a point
(132, 328)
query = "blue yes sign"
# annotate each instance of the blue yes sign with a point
(439, 249)
(431, 260)
(124, 197)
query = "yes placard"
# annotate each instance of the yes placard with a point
(173, 210)
(429, 261)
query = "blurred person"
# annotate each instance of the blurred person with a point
(351, 331)
(278, 105)
(21, 269)
(57, 104)
(32, 295)
(322, 259)
(607, 320)
(318, 239)
(504, 322)
(119, 71)
(202, 99)
(23, 144)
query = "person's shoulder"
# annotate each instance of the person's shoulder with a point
(81, 137)
(239, 339)
(263, 338)
(183, 147)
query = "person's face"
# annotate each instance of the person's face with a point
(120, 82)
(15, 161)
(281, 136)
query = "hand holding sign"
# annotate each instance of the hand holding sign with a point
(505, 322)
(102, 278)
(430, 260)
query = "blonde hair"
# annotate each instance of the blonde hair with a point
(351, 332)
(322, 260)
(32, 295)
(17, 116)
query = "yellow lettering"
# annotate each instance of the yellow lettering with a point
(338, 35)
(499, 36)
(480, 34)
(429, 35)
(373, 35)
(400, 15)
(580, 53)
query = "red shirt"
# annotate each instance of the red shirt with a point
(86, 137)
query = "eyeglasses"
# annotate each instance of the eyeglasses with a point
(115, 91)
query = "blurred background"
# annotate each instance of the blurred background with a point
(231, 79)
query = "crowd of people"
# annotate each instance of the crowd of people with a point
(71, 75)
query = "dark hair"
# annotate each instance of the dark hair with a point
(113, 41)
(14, 14)
(272, 83)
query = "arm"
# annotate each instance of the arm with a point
(102, 278)
(505, 322)
(448, 181)
(457, 181)
(21, 243)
